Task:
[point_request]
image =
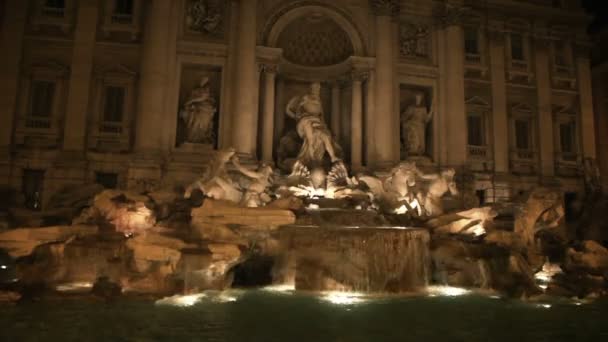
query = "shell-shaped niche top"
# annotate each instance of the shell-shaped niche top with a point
(315, 40)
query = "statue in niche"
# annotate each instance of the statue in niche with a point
(198, 114)
(413, 126)
(307, 110)
(204, 16)
(413, 40)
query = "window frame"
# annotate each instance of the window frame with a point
(116, 133)
(523, 112)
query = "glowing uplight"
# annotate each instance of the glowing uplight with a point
(343, 298)
(74, 287)
(280, 288)
(544, 276)
(544, 306)
(447, 291)
(182, 301)
(3, 267)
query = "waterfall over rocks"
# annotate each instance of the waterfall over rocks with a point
(378, 259)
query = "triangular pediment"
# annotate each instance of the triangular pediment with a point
(51, 65)
(522, 108)
(116, 69)
(562, 110)
(477, 101)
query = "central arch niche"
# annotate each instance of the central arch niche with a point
(315, 40)
(313, 35)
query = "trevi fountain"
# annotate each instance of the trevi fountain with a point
(299, 170)
(349, 238)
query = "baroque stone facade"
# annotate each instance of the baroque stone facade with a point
(111, 91)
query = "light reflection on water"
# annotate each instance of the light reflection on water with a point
(265, 315)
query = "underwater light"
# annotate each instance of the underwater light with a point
(343, 298)
(449, 291)
(280, 288)
(3, 267)
(71, 287)
(182, 301)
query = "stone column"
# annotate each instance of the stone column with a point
(500, 120)
(600, 99)
(279, 111)
(583, 73)
(453, 80)
(545, 115)
(245, 121)
(369, 117)
(270, 72)
(335, 109)
(154, 78)
(385, 152)
(356, 121)
(75, 127)
(11, 43)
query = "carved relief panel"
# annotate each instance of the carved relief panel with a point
(205, 18)
(415, 41)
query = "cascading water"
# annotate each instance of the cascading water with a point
(370, 259)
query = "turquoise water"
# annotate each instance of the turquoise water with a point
(268, 316)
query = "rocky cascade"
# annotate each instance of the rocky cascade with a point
(360, 259)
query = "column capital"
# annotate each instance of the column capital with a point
(582, 49)
(269, 68)
(389, 8)
(358, 75)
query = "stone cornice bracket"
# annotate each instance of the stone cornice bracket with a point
(385, 7)
(450, 15)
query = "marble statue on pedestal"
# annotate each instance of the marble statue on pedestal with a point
(307, 110)
(198, 114)
(413, 126)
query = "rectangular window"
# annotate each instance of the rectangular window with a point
(60, 4)
(517, 47)
(471, 41)
(108, 180)
(32, 183)
(567, 137)
(561, 58)
(113, 104)
(124, 7)
(522, 134)
(475, 130)
(41, 99)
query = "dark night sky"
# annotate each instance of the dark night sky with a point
(598, 8)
